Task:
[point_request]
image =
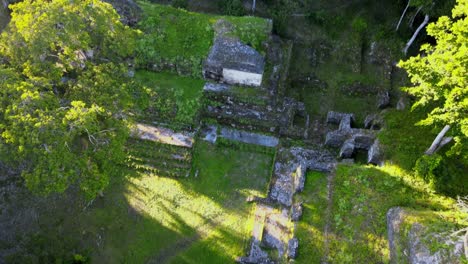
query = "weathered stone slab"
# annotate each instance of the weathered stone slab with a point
(231, 61)
(209, 134)
(336, 138)
(336, 117)
(216, 87)
(249, 138)
(293, 244)
(374, 155)
(347, 149)
(163, 135)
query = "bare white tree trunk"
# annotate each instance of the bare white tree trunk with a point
(254, 3)
(414, 17)
(423, 24)
(402, 16)
(437, 143)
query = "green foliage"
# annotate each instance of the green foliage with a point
(426, 165)
(359, 25)
(180, 4)
(405, 143)
(177, 40)
(318, 17)
(280, 10)
(232, 7)
(440, 77)
(169, 98)
(362, 197)
(62, 118)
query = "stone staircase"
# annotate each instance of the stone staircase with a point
(160, 151)
(159, 159)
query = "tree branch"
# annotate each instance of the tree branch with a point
(423, 24)
(437, 141)
(402, 15)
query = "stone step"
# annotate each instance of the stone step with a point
(162, 163)
(213, 134)
(240, 95)
(247, 118)
(150, 148)
(159, 170)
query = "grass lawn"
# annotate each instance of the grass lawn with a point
(191, 220)
(309, 230)
(169, 98)
(362, 195)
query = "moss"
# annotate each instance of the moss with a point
(170, 98)
(309, 230)
(179, 40)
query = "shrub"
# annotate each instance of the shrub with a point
(359, 25)
(180, 4)
(426, 166)
(232, 7)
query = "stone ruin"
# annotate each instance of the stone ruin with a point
(350, 140)
(277, 214)
(416, 247)
(230, 61)
(165, 151)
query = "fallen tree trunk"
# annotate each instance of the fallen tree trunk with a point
(437, 143)
(423, 24)
(402, 16)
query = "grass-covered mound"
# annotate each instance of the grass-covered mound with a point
(405, 143)
(357, 223)
(168, 98)
(179, 40)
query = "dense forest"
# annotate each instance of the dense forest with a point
(201, 131)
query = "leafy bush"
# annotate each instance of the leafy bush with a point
(178, 41)
(318, 17)
(232, 7)
(180, 4)
(426, 165)
(359, 25)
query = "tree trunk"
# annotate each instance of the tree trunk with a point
(438, 140)
(423, 24)
(254, 3)
(402, 15)
(414, 17)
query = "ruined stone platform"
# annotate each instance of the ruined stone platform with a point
(275, 215)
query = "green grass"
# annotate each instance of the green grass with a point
(362, 197)
(145, 218)
(405, 142)
(179, 40)
(170, 98)
(309, 230)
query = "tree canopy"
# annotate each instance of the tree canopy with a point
(64, 93)
(440, 76)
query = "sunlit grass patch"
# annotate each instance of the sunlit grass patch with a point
(169, 98)
(362, 197)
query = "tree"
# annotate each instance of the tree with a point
(64, 93)
(440, 77)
